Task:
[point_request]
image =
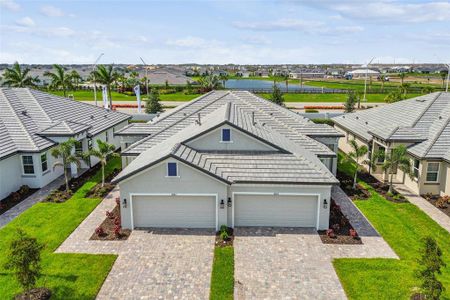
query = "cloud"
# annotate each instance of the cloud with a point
(388, 10)
(26, 22)
(256, 40)
(10, 5)
(310, 27)
(47, 32)
(189, 42)
(51, 11)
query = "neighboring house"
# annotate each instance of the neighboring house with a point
(421, 123)
(227, 158)
(32, 122)
(161, 76)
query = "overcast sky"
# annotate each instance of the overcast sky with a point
(245, 32)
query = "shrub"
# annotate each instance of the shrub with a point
(331, 234)
(323, 121)
(428, 196)
(2, 205)
(117, 221)
(24, 259)
(109, 214)
(117, 230)
(353, 233)
(118, 201)
(309, 110)
(24, 189)
(335, 227)
(430, 265)
(99, 231)
(223, 228)
(441, 202)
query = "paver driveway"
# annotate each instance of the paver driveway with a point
(152, 264)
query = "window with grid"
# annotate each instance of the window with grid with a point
(432, 171)
(416, 166)
(28, 166)
(44, 163)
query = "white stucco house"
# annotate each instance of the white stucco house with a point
(32, 122)
(422, 124)
(227, 158)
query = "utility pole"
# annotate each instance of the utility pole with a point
(448, 77)
(93, 73)
(365, 79)
(146, 76)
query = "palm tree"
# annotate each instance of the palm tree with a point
(355, 155)
(103, 152)
(106, 76)
(427, 90)
(396, 159)
(394, 96)
(286, 81)
(64, 152)
(60, 79)
(382, 79)
(76, 78)
(402, 77)
(404, 88)
(443, 77)
(223, 77)
(209, 82)
(16, 77)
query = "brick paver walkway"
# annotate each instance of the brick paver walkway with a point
(293, 263)
(432, 211)
(151, 264)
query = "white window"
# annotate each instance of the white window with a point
(432, 171)
(44, 162)
(27, 163)
(172, 169)
(416, 165)
(78, 148)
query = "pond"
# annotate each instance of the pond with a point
(254, 84)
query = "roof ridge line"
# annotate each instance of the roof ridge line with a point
(39, 105)
(438, 134)
(426, 109)
(18, 118)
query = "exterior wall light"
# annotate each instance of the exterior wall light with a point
(229, 202)
(325, 203)
(222, 204)
(124, 203)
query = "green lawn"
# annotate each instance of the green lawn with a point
(371, 98)
(83, 95)
(358, 84)
(222, 277)
(403, 226)
(69, 276)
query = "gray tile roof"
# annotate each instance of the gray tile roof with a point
(274, 166)
(26, 115)
(279, 119)
(423, 121)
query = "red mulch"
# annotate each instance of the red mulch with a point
(341, 228)
(109, 225)
(14, 198)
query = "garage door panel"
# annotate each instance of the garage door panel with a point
(275, 211)
(174, 211)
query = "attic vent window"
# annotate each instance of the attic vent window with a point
(226, 135)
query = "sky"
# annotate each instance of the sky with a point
(221, 32)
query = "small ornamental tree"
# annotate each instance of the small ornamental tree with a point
(430, 265)
(153, 105)
(277, 96)
(24, 259)
(356, 154)
(64, 152)
(102, 152)
(349, 105)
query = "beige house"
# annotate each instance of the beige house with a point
(227, 158)
(422, 124)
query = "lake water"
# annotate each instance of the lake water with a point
(253, 84)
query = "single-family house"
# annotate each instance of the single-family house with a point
(422, 124)
(227, 158)
(33, 122)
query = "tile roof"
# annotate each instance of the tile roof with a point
(293, 160)
(26, 115)
(423, 121)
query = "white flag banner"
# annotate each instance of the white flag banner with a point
(137, 91)
(105, 96)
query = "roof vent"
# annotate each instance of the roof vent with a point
(357, 118)
(24, 112)
(92, 117)
(253, 118)
(199, 120)
(440, 117)
(367, 123)
(105, 116)
(343, 117)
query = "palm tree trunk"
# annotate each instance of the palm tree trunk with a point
(391, 181)
(110, 98)
(64, 92)
(66, 179)
(103, 175)
(355, 178)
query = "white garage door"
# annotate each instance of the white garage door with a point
(275, 210)
(174, 211)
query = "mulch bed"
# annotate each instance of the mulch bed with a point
(360, 193)
(98, 191)
(340, 227)
(15, 198)
(227, 242)
(35, 294)
(108, 228)
(443, 204)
